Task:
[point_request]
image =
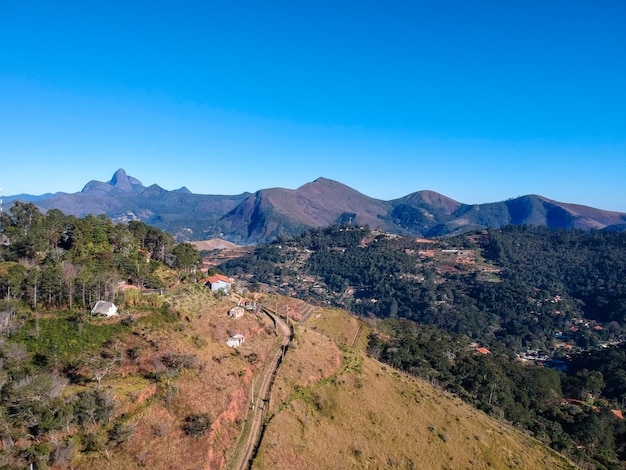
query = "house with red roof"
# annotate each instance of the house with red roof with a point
(218, 282)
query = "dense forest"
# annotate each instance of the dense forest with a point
(552, 298)
(62, 261)
(520, 286)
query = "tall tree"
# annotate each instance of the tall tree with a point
(187, 257)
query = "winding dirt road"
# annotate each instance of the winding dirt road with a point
(262, 391)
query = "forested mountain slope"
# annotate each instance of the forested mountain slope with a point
(519, 285)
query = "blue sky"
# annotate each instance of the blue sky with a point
(481, 101)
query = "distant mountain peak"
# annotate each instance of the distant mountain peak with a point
(321, 179)
(432, 199)
(121, 180)
(324, 186)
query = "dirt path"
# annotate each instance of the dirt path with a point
(356, 336)
(243, 459)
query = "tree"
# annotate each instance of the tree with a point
(24, 215)
(70, 273)
(152, 239)
(33, 279)
(188, 257)
(94, 406)
(12, 276)
(53, 227)
(52, 282)
(101, 365)
(123, 241)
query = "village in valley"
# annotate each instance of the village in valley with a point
(293, 281)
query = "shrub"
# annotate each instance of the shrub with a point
(121, 433)
(93, 442)
(196, 424)
(63, 454)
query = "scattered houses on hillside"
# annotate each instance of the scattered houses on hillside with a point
(104, 308)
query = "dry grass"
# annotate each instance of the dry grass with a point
(331, 406)
(337, 324)
(311, 357)
(155, 403)
(366, 415)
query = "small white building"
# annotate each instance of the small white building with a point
(236, 340)
(236, 312)
(104, 308)
(247, 304)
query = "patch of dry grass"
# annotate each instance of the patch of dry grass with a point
(311, 357)
(337, 324)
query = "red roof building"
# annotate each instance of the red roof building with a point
(218, 282)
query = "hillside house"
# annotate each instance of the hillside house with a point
(236, 340)
(218, 282)
(104, 309)
(236, 312)
(247, 304)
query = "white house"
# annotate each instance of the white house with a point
(218, 282)
(104, 308)
(247, 304)
(236, 312)
(236, 340)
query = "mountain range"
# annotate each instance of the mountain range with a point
(251, 218)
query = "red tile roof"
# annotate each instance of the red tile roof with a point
(216, 278)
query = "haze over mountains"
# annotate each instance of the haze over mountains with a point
(259, 217)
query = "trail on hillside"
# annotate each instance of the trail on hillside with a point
(261, 395)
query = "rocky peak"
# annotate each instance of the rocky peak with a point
(124, 182)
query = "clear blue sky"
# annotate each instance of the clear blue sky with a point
(481, 101)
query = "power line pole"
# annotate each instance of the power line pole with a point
(252, 394)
